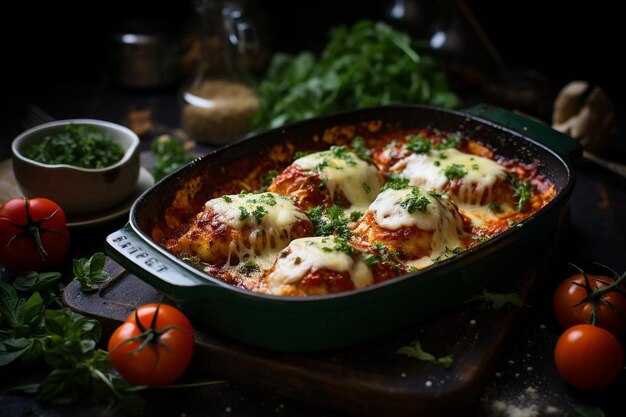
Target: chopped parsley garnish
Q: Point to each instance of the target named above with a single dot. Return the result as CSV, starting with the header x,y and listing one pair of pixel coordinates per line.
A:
x,y
355,216
358,146
329,222
437,163
243,213
414,350
415,202
370,260
436,194
342,245
442,155
388,257
268,178
523,191
396,184
344,154
248,266
366,187
258,213
455,171
495,208
322,165
475,167
418,144
457,250
227,199
193,261
452,141
301,154
268,199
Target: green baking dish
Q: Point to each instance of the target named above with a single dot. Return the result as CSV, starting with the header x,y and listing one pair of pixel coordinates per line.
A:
x,y
299,324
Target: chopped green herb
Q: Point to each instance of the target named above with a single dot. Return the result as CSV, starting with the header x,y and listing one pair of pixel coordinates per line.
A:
x,y
266,181
342,245
451,141
248,266
194,261
415,202
457,250
258,213
301,154
455,171
344,154
442,155
475,167
358,146
497,300
83,146
495,208
243,213
396,184
366,187
227,199
523,191
414,350
355,216
370,260
436,194
418,144
322,165
329,222
437,163
388,257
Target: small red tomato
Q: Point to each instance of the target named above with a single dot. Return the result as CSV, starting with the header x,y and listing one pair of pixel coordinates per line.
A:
x,y
168,345
588,357
33,234
571,308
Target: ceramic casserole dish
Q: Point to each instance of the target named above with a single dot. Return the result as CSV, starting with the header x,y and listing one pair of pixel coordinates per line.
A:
x,y
299,324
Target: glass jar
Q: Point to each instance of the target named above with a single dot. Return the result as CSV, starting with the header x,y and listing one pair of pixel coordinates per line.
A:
x,y
218,102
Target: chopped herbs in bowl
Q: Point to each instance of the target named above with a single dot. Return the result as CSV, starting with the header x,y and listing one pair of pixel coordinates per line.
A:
x,y
86,166
83,146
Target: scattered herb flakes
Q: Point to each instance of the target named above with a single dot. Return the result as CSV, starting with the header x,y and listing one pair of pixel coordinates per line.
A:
x,y
418,144
495,208
523,192
267,179
366,187
90,272
370,259
395,184
78,145
258,213
243,213
415,202
387,257
329,222
451,141
455,171
497,300
227,199
301,154
359,147
248,266
194,261
414,350
344,154
355,216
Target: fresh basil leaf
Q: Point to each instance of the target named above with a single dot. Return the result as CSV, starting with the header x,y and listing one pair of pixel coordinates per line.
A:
x,y
13,348
10,305
414,350
34,281
26,389
90,272
33,309
96,263
497,300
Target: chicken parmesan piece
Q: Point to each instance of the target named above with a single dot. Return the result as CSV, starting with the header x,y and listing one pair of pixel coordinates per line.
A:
x,y
467,178
412,223
317,266
337,176
240,228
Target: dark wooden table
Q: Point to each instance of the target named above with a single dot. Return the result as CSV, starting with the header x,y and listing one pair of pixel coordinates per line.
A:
x,y
524,377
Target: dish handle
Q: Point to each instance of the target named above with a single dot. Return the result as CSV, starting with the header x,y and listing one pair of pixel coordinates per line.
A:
x,y
128,249
563,145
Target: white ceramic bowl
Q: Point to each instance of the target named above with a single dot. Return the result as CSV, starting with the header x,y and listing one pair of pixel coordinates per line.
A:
x,y
79,191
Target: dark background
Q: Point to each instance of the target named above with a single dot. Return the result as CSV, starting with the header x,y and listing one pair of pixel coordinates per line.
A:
x,y
55,48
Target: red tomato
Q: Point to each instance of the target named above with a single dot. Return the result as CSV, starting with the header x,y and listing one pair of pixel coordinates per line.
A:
x,y
569,310
169,348
33,234
588,357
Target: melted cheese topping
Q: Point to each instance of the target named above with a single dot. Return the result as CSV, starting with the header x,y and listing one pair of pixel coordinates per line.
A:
x,y
440,217
344,171
269,215
303,255
429,169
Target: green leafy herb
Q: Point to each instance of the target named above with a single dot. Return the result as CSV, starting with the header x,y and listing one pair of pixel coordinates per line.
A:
x,y
90,272
455,171
296,88
415,202
414,350
418,144
266,181
301,154
495,208
358,146
169,155
387,257
194,261
344,154
523,191
585,411
46,283
395,184
258,213
227,199
366,187
370,259
451,141
342,245
248,266
497,300
355,216
243,213
329,222
83,146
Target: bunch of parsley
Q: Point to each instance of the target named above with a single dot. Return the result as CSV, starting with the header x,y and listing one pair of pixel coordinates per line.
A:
x,y
368,64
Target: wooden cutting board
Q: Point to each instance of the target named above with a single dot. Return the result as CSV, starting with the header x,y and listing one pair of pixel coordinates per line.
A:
x,y
367,379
